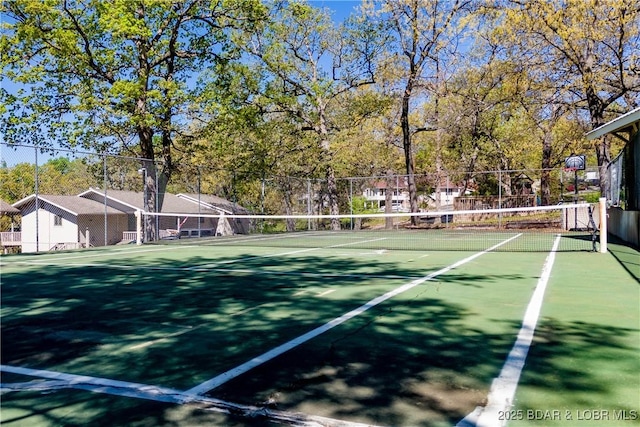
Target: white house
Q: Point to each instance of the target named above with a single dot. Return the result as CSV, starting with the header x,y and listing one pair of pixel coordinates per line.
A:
x,y
448,193
95,219
376,195
186,208
67,222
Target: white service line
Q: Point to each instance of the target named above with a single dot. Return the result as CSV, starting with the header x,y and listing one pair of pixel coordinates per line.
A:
x,y
203,267
142,391
503,388
265,357
60,257
61,380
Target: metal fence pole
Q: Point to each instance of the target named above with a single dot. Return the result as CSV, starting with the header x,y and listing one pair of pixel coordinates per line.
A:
x,y
37,179
106,224
351,200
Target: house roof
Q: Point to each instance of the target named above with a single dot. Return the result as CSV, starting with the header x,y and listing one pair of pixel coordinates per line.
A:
x,y
92,202
214,202
72,204
7,209
381,184
171,203
131,199
624,123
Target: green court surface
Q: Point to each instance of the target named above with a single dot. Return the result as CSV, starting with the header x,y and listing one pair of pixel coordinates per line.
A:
x,y
329,334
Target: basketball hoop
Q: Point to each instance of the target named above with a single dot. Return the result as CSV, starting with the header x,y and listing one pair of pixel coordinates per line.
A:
x,y
574,163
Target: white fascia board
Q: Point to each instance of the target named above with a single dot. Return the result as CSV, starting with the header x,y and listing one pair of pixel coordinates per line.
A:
x,y
614,125
203,203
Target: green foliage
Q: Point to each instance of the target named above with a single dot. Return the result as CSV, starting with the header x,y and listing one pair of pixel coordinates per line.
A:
x,y
592,197
18,182
240,92
57,176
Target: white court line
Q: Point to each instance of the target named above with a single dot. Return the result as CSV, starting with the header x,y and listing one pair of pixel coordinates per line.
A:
x,y
60,257
60,380
297,251
327,292
42,258
203,267
142,391
264,272
265,357
503,388
420,257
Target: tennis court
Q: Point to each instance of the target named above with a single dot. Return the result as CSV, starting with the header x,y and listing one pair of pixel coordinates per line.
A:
x,y
328,331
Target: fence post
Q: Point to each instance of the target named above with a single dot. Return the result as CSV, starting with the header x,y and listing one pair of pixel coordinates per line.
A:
x,y
138,227
37,195
106,221
603,224
351,200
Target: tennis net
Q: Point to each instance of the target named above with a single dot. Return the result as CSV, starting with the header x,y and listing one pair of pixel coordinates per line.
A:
x,y
527,229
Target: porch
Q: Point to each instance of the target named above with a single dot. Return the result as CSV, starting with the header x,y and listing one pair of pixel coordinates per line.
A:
x,y
9,239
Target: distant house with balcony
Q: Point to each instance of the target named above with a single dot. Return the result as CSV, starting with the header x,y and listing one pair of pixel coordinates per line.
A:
x,y
448,193
376,195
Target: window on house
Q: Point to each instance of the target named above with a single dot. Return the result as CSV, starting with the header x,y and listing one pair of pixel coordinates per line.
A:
x,y
57,220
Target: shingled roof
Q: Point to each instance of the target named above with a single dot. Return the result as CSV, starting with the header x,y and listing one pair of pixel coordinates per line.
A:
x,y
171,203
7,209
73,204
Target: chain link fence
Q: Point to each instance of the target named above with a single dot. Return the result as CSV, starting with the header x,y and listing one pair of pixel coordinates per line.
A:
x,y
61,199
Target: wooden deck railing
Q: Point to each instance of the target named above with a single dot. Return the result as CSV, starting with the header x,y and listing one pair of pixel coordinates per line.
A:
x,y
11,238
129,236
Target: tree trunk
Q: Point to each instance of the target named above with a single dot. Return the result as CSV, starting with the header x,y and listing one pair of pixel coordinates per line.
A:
x,y
287,191
545,177
332,190
148,171
408,152
603,147
332,187
388,199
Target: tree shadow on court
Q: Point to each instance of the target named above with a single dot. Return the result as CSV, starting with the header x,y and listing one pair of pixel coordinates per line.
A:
x,y
414,360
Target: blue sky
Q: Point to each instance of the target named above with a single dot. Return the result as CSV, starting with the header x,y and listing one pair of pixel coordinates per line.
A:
x,y
341,8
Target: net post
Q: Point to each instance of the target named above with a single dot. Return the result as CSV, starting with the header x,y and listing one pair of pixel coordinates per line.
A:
x,y
138,227
603,224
